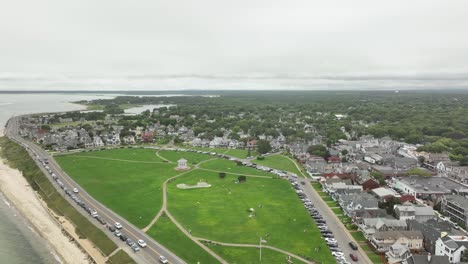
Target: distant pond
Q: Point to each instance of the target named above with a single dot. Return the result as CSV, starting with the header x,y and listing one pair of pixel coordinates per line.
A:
x,y
139,109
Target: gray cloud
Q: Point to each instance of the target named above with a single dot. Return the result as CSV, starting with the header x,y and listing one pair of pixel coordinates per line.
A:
x,y
208,44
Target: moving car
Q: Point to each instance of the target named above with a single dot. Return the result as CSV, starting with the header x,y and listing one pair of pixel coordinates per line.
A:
x,y
118,225
353,245
75,190
163,260
353,257
142,243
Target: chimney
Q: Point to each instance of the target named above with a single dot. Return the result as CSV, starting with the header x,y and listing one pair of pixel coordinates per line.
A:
x,y
429,258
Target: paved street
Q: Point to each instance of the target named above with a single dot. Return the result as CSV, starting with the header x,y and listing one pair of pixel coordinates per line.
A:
x,y
150,254
334,224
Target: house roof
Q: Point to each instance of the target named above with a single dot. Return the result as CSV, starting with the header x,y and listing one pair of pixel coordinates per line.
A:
x,y
383,192
397,234
423,259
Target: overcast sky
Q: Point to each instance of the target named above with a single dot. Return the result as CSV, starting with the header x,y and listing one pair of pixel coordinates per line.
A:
x,y
155,44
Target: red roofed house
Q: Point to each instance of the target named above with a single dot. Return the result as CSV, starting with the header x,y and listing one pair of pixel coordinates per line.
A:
x,y
342,176
407,198
252,144
370,184
334,159
147,137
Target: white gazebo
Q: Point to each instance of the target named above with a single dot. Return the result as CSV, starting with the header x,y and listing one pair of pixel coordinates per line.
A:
x,y
182,164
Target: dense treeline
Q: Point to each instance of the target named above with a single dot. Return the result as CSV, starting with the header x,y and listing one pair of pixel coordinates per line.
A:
x,y
437,119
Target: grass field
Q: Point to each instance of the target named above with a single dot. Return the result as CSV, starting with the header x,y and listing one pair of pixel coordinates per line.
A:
x,y
242,255
166,233
231,167
131,189
220,213
134,154
120,258
191,157
278,162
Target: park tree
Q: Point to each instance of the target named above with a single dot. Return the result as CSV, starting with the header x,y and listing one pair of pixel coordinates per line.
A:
x,y
421,159
222,175
263,146
242,178
318,150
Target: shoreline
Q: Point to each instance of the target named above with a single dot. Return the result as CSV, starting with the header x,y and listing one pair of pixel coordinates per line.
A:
x,y
57,231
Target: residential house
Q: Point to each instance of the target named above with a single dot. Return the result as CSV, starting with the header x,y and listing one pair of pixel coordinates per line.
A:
x,y
453,247
427,259
97,140
129,140
384,193
432,230
351,203
409,211
369,226
383,240
397,254
252,144
370,184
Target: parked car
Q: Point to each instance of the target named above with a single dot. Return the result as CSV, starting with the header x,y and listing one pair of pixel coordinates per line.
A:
x,y
135,247
123,237
353,245
129,242
353,257
117,233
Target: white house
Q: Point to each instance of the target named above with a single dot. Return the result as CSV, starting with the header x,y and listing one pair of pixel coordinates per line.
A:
x,y
451,246
97,140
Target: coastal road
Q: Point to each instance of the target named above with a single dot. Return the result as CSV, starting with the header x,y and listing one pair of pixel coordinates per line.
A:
x,y
334,224
150,254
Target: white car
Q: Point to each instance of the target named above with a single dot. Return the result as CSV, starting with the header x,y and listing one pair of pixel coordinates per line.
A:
x,y
75,190
142,243
118,225
163,260
337,254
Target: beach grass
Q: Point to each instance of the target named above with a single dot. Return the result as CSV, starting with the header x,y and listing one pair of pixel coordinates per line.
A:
x,y
18,158
121,257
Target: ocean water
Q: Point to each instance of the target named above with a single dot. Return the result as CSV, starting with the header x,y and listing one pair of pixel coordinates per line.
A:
x,y
19,242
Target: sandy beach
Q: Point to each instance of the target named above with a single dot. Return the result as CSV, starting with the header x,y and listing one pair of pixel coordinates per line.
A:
x,y
16,189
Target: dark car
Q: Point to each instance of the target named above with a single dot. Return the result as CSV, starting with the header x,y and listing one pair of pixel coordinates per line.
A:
x,y
353,245
111,228
353,257
320,221
123,237
325,231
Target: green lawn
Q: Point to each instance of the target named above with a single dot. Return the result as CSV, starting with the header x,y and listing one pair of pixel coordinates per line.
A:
x,y
317,186
238,153
191,157
166,233
131,189
231,167
135,154
359,236
242,255
220,213
337,211
278,162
